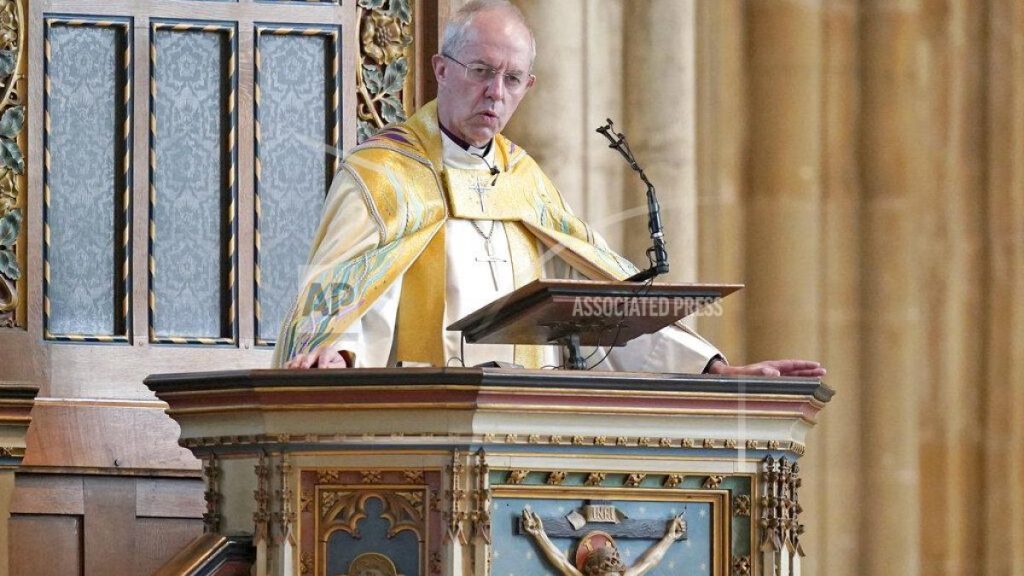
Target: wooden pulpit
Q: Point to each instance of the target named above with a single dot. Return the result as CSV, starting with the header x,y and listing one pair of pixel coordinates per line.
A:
x,y
425,472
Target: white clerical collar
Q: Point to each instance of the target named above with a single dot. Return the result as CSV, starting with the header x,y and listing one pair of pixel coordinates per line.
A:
x,y
473,157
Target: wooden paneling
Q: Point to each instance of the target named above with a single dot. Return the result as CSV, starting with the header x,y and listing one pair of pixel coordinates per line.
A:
x,y
105,436
76,524
157,539
46,545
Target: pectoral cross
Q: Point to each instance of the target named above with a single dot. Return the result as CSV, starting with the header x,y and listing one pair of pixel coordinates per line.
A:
x,y
480,188
491,259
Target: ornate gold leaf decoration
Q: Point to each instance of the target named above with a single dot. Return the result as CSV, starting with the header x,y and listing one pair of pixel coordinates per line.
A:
x,y
713,482
385,40
780,506
516,476
556,478
633,480
344,509
741,505
12,162
211,475
740,565
672,480
595,478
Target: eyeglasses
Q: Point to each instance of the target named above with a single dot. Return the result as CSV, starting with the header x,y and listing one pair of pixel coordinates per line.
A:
x,y
484,74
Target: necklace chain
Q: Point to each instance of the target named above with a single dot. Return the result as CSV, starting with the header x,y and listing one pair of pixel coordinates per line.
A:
x,y
480,231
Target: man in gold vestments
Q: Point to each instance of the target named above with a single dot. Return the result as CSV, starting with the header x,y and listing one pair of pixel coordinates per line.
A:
x,y
433,218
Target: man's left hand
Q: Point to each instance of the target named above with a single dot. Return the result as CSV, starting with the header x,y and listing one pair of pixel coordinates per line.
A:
x,y
805,368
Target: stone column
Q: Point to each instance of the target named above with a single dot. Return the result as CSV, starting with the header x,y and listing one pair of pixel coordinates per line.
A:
x,y
952,218
893,169
721,163
1002,500
548,123
660,78
783,225
839,484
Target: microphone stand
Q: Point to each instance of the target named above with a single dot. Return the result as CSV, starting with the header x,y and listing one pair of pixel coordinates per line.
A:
x,y
656,254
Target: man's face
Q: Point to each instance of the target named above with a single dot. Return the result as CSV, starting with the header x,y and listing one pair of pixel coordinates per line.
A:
x,y
472,110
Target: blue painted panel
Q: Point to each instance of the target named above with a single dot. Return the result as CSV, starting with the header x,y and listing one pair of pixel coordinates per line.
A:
x,y
403,548
518,555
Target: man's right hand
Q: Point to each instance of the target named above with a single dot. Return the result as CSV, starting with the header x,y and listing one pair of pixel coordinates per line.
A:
x,y
324,358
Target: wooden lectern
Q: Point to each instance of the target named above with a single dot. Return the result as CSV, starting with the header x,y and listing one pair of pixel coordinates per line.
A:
x,y
578,313
478,471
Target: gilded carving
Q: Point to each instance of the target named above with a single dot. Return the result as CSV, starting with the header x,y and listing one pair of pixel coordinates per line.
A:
x,y
741,505
456,495
730,444
556,439
385,40
708,443
533,439
481,515
306,563
305,499
633,480
511,438
665,442
212,496
621,441
435,563
556,478
740,565
370,477
751,444
577,440
516,476
595,479
12,162
688,443
644,441
713,482
600,441
402,510
261,517
673,480
780,506
413,476
286,515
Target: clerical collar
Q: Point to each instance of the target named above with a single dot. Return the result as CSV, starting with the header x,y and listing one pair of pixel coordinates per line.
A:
x,y
475,151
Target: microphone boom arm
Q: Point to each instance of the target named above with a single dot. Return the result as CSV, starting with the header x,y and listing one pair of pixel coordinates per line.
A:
x,y
656,254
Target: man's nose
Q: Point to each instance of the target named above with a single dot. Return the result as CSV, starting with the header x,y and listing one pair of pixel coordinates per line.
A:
x,y
496,87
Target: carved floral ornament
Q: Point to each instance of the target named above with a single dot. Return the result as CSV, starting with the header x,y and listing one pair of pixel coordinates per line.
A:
x,y
384,38
12,162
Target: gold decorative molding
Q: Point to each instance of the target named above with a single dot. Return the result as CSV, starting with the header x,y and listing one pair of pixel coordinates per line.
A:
x,y
633,480
595,478
260,442
516,476
383,79
740,565
780,525
286,516
556,478
672,480
456,515
13,76
713,482
741,505
480,517
212,495
261,517
370,477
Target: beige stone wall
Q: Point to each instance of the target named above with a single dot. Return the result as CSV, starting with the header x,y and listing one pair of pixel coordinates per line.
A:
x,y
859,164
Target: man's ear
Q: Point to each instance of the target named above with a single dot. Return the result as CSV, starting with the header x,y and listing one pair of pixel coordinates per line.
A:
x,y
440,66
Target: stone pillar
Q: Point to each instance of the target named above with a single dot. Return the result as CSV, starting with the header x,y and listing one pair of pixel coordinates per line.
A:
x,y
839,485
548,123
783,226
893,169
1002,500
952,220
721,163
660,79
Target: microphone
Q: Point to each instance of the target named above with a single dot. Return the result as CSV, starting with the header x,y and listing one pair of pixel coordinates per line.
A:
x,y
656,254
493,168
